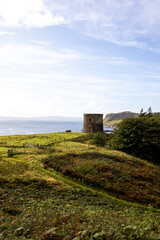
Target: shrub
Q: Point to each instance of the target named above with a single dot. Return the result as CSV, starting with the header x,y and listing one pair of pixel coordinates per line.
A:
x,y
99,139
139,137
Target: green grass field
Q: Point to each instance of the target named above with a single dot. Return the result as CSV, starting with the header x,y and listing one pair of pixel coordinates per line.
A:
x,y
60,186
112,123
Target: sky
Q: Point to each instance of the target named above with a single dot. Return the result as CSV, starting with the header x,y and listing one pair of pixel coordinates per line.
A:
x,y
69,57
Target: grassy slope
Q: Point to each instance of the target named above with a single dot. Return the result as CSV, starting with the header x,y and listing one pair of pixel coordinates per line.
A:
x,y
111,123
37,203
113,119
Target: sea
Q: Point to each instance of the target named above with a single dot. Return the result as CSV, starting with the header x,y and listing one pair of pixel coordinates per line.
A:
x,y
15,127
34,127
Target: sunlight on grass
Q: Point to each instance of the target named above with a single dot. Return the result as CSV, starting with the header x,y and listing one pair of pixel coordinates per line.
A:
x,y
37,202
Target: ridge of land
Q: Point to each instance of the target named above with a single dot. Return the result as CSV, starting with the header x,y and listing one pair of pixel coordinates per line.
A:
x,y
112,119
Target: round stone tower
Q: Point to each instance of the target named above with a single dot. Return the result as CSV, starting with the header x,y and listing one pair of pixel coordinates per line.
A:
x,y
92,123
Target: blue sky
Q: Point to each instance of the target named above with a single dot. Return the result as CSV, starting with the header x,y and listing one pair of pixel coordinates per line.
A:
x,y
69,57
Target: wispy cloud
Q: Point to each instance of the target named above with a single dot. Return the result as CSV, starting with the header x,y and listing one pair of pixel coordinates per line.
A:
x,y
43,56
126,22
27,55
4,33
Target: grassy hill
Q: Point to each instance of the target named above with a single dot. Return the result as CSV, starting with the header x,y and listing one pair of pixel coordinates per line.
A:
x,y
112,119
59,186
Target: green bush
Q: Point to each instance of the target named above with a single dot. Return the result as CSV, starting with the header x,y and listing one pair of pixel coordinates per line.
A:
x,y
99,139
139,137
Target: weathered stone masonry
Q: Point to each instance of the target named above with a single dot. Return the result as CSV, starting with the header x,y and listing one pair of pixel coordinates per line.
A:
x,y
92,123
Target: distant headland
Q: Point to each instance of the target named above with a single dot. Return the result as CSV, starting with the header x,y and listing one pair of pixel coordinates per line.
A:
x,y
111,119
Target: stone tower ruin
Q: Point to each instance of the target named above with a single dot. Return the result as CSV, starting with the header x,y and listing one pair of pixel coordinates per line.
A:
x,y
92,123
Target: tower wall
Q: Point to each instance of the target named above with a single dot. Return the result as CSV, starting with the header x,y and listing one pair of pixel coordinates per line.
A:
x,y
93,123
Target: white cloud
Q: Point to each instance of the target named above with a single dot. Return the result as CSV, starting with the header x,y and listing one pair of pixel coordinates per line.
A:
x,y
27,13
125,22
7,33
40,80
27,55
41,57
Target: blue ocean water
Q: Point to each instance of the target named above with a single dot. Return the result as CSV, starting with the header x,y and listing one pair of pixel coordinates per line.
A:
x,y
32,127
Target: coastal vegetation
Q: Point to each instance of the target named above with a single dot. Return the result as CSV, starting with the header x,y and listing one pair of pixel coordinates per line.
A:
x,y
66,186
139,136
